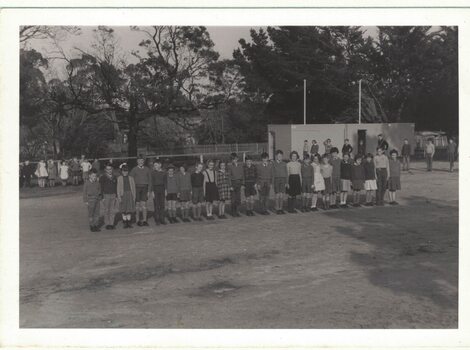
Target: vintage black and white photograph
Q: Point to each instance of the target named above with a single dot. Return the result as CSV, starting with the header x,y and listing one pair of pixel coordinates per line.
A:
x,y
238,177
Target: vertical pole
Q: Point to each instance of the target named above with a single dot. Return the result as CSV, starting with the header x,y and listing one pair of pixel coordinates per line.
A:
x,y
360,98
305,101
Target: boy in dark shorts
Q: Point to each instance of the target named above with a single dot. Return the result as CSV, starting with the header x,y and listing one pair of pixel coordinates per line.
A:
x,y
143,185
250,176
279,181
197,184
171,193
263,182
335,162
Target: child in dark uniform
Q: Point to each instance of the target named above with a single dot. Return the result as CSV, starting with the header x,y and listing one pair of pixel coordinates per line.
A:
x,y
249,176
335,162
171,193
345,175
358,177
197,185
394,181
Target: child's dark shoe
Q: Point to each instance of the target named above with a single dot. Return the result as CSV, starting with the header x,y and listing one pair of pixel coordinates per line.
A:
x,y
145,223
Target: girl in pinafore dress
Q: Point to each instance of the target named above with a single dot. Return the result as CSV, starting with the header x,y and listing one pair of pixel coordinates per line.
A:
x,y
326,170
211,191
394,181
224,185
126,195
318,182
358,177
185,192
295,183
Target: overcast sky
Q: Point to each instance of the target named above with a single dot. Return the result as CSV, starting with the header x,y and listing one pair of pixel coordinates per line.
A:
x,y
225,40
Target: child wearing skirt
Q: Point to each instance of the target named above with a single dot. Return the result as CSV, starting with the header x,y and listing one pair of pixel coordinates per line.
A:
x,y
326,171
306,173
394,181
335,162
345,176
126,195
318,181
358,177
224,186
280,179
211,191
52,171
370,184
294,185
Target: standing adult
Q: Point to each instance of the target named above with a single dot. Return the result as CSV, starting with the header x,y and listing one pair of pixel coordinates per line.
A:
x,y
451,153
429,151
382,143
143,185
108,184
315,149
328,146
405,154
347,148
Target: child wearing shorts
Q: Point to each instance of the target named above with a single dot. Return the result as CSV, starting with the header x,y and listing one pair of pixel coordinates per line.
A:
x,y
171,193
345,175
318,181
92,198
358,177
394,181
335,162
197,186
224,186
294,185
306,171
143,186
370,184
279,181
249,178
211,192
326,169
184,191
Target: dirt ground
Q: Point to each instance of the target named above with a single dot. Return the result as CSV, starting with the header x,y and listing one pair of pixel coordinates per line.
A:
x,y
381,267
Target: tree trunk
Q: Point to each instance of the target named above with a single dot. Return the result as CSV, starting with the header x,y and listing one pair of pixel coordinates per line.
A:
x,y
132,137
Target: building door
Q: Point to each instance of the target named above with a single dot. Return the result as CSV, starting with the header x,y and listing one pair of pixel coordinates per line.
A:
x,y
361,141
272,144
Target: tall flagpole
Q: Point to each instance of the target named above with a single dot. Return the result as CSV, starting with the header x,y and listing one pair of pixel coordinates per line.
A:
x,y
360,98
305,101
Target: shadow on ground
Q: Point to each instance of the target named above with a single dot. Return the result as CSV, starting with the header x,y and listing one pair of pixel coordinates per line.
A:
x,y
405,258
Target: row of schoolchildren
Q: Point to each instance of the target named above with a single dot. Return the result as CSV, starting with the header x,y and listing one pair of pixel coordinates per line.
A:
x,y
326,176
48,173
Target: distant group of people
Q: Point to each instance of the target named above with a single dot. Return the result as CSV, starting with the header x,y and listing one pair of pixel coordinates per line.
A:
x,y
73,171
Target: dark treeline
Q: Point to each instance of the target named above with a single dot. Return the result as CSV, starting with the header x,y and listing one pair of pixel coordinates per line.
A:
x,y
176,85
